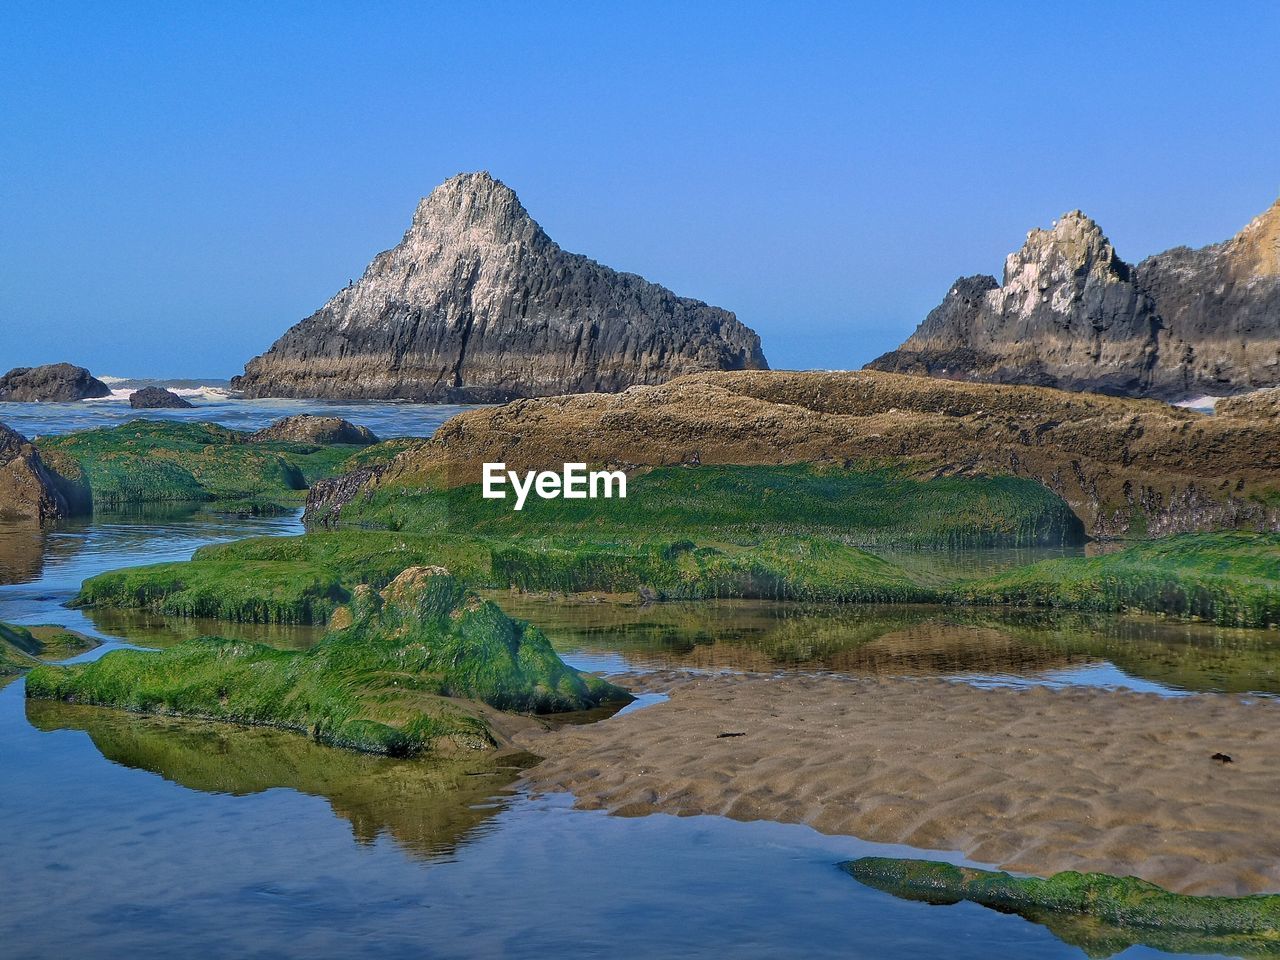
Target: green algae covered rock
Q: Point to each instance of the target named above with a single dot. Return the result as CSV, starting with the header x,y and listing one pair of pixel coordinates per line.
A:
x,y
153,461
411,669
1230,578
1101,913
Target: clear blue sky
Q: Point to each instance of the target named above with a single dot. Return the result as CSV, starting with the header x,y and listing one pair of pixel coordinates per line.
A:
x,y
181,182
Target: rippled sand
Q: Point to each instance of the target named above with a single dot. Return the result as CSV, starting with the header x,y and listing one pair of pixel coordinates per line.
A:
x,y
1034,780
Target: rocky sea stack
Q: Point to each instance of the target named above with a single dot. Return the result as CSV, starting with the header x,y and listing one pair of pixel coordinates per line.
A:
x,y
1071,314
51,383
477,303
157,398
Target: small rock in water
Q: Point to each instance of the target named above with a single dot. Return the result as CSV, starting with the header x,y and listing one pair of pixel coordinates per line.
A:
x,y
158,398
1222,758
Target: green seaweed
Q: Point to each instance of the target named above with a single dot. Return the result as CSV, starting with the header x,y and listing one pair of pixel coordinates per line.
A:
x,y
398,679
304,579
871,506
791,568
1102,914
150,461
1227,578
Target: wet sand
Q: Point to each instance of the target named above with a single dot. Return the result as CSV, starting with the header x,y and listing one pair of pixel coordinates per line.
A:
x,y
1034,780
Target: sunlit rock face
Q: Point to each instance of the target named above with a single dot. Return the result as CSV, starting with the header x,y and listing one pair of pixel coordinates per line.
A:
x,y
477,303
1070,313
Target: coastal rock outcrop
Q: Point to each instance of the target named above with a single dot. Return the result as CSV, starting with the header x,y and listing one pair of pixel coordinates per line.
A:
x,y
307,428
1071,314
1259,403
1127,467
158,398
476,303
28,489
422,665
53,382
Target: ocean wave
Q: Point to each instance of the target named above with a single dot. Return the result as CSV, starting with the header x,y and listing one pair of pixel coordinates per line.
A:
x,y
122,387
1199,403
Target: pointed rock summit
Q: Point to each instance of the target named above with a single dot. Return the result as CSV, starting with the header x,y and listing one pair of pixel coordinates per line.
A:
x,y
1070,313
476,303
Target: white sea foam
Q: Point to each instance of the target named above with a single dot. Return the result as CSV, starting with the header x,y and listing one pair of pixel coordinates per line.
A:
x,y
1203,404
122,387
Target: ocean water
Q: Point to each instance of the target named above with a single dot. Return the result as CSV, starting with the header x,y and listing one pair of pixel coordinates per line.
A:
x,y
146,837
214,402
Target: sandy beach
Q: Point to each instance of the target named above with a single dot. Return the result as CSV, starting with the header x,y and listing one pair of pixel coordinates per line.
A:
x,y
1035,780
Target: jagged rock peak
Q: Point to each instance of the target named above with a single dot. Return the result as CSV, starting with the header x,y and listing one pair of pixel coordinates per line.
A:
x,y
1072,314
470,201
1074,246
477,304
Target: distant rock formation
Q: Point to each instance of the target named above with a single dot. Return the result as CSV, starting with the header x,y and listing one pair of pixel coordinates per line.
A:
x,y
477,303
28,489
1070,313
306,428
53,382
158,398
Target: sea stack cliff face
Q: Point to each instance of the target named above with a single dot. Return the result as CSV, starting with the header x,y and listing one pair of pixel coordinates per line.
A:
x,y
1071,314
477,303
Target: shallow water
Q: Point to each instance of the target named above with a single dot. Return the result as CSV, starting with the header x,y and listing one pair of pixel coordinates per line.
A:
x,y
142,837
161,851
988,646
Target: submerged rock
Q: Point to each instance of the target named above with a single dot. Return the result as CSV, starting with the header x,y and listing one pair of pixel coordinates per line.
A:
x,y
28,489
1071,314
157,398
308,428
50,383
477,303
416,667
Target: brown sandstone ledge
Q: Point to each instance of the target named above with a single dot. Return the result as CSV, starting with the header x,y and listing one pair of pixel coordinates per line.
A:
x,y
1034,780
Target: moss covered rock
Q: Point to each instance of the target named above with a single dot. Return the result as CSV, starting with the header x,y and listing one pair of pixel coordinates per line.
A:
x,y
150,461
404,671
1229,578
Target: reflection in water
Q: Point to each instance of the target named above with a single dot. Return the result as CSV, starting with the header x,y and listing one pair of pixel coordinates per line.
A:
x,y
22,548
44,569
146,629
911,640
429,807
1101,939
